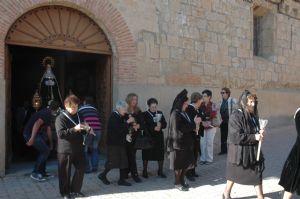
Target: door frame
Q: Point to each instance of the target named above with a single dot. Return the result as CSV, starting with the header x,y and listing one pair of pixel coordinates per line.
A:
x,y
8,105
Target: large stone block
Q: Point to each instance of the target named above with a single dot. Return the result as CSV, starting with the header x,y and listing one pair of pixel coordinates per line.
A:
x,y
190,55
209,70
164,52
173,41
197,69
211,47
176,53
242,53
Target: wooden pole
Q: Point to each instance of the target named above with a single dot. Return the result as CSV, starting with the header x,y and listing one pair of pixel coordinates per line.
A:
x,y
258,150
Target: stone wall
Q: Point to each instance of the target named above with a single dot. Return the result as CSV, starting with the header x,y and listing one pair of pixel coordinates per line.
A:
x,y
209,44
163,46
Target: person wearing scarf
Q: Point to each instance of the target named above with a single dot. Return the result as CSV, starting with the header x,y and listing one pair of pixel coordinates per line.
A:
x,y
180,140
243,137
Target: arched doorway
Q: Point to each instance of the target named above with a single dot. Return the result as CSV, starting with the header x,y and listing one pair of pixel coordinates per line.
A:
x,y
82,57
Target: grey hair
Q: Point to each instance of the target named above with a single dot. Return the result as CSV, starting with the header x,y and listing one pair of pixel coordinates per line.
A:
x,y
121,104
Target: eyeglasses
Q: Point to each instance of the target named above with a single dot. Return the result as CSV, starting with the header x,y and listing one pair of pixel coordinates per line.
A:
x,y
222,93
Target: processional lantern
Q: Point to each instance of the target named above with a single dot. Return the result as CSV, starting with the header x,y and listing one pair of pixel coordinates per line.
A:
x,y
36,101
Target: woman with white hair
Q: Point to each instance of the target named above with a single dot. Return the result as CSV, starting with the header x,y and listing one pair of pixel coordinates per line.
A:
x,y
117,129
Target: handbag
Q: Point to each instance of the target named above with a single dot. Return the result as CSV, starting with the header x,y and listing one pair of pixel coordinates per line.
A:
x,y
143,141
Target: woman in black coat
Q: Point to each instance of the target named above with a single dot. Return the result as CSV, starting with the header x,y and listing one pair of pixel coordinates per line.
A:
x,y
180,140
154,124
243,137
117,130
70,150
290,175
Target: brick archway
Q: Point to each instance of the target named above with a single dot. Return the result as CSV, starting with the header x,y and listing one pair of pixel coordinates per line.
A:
x,y
104,14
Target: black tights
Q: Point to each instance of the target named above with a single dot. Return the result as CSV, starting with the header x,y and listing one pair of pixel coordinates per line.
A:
x,y
160,165
179,176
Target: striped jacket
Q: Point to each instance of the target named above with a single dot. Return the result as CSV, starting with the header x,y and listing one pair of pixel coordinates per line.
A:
x,y
91,116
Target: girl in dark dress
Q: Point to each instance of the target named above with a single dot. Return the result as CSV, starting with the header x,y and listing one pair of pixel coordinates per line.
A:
x,y
290,175
180,140
243,138
117,130
154,124
135,128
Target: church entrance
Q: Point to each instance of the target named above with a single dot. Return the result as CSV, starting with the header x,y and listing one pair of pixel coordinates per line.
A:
x,y
80,58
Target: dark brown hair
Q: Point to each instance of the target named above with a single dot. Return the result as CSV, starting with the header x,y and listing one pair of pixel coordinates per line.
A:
x,y
72,99
152,101
227,90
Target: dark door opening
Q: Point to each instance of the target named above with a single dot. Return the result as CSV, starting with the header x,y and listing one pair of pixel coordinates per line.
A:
x,y
83,74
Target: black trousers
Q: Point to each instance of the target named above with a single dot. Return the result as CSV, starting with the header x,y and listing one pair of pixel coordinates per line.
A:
x,y
131,155
197,151
224,135
65,162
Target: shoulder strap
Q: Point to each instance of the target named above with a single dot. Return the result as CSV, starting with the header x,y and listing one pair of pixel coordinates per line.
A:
x,y
65,114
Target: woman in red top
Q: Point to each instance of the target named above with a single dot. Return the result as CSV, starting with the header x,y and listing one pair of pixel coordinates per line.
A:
x,y
209,122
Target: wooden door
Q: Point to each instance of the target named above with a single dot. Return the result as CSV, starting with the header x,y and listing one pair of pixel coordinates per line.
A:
x,y
104,93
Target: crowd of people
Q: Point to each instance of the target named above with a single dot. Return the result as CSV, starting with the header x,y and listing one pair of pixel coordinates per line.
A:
x,y
190,136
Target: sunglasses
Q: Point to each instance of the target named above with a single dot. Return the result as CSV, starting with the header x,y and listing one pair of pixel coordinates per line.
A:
x,y
222,93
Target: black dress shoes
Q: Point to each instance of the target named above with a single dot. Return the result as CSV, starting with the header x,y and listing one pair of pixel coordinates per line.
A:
x,y
136,179
77,195
103,179
123,183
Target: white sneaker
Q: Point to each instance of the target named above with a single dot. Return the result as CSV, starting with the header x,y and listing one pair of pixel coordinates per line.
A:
x,y
37,177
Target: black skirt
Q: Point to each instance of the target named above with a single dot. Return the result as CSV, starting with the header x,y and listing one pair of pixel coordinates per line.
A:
x,y
290,175
184,159
156,153
116,157
240,175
